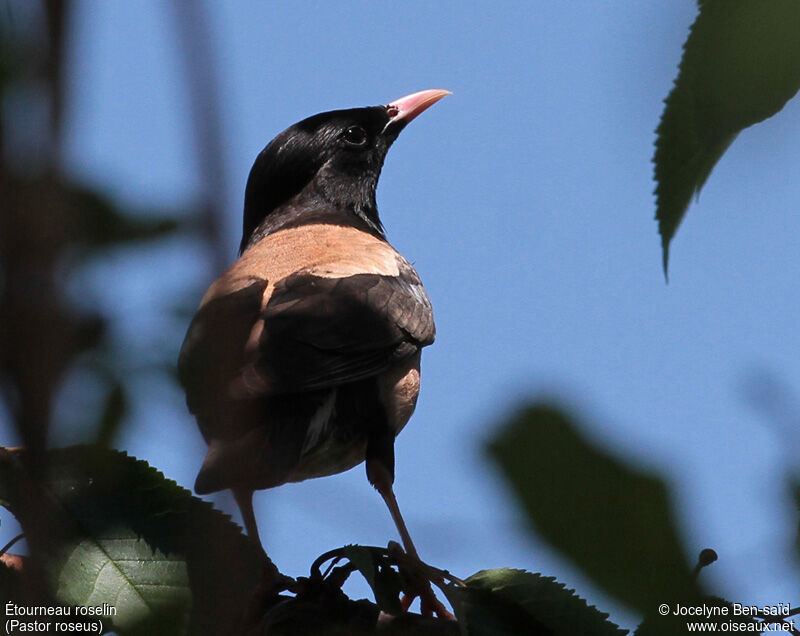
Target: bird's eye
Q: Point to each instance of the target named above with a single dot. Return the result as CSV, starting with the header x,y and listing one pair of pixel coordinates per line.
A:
x,y
355,136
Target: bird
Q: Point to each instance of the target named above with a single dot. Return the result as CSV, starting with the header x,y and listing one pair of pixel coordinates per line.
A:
x,y
303,359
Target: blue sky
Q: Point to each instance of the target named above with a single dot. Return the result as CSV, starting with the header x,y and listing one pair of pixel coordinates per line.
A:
x,y
525,202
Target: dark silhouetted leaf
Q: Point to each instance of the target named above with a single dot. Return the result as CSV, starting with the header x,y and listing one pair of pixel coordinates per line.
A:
x,y
114,410
98,223
114,530
385,582
741,64
10,584
515,602
7,66
794,484
613,521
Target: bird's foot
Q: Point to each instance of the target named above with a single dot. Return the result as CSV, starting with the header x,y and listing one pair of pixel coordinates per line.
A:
x,y
273,582
419,576
429,605
266,593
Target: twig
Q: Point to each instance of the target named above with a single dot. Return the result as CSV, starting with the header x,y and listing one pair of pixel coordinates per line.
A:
x,y
11,543
202,83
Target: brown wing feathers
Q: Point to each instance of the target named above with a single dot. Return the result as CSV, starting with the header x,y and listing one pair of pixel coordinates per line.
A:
x,y
305,310
324,332
213,350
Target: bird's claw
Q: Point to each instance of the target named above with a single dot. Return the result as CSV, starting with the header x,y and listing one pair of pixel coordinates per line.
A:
x,y
273,581
419,576
428,603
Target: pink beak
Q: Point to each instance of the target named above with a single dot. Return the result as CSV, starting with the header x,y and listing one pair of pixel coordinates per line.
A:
x,y
408,107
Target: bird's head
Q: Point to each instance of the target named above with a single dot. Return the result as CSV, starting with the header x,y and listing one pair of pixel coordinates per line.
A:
x,y
330,160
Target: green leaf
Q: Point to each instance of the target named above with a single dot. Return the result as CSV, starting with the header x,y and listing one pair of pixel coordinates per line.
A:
x,y
613,521
385,582
740,65
110,529
97,222
514,602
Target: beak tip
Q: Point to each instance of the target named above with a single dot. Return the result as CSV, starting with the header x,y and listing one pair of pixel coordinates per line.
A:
x,y
408,107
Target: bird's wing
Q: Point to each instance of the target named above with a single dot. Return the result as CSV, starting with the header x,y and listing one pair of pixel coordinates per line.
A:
x,y
323,331
213,352
316,331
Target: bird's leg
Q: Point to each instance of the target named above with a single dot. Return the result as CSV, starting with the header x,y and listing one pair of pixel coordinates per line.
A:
x,y
244,498
272,579
381,478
